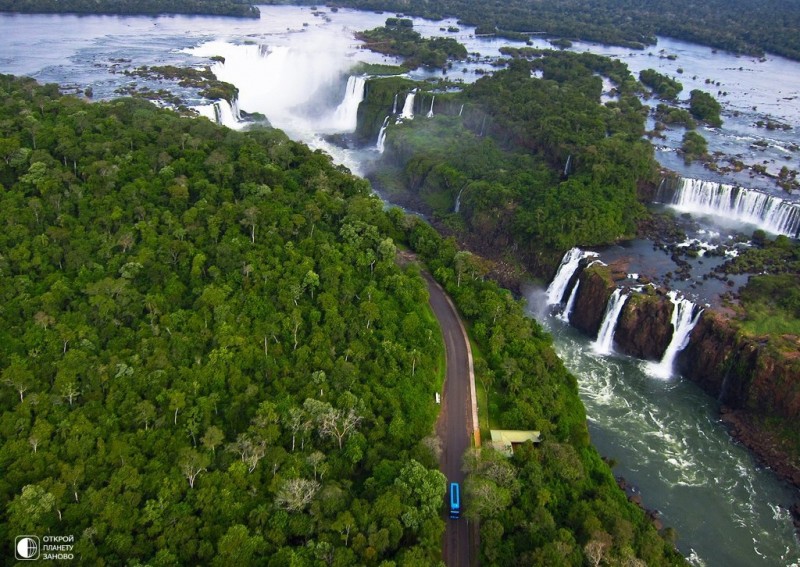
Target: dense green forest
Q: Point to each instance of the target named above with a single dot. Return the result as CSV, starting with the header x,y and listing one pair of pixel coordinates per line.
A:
x,y
539,164
398,37
234,8
741,26
210,356
662,85
208,353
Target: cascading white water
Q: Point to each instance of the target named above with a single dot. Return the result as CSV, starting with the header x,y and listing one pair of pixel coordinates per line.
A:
x,y
394,104
382,135
770,213
430,112
683,322
226,114
564,315
286,83
408,107
345,118
566,167
556,289
457,206
461,110
605,337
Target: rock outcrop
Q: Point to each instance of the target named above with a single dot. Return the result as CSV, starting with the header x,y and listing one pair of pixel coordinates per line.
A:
x,y
757,383
645,328
742,372
596,286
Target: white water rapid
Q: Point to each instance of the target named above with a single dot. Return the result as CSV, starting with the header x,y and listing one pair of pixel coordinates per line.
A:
x,y
768,212
556,289
684,319
605,337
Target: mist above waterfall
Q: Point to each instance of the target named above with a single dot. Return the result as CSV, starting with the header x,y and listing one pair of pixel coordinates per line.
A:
x,y
297,87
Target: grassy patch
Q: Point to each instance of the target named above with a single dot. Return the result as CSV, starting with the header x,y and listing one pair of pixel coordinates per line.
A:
x,y
377,69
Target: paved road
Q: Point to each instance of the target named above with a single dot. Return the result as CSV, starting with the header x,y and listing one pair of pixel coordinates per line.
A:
x,y
454,426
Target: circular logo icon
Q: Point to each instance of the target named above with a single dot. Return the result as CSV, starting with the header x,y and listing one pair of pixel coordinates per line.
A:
x,y
27,547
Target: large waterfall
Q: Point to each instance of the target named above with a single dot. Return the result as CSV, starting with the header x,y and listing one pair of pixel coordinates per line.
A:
x,y
684,319
345,118
382,136
570,262
605,337
408,107
770,213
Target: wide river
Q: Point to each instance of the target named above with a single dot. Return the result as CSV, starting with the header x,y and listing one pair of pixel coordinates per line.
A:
x,y
293,66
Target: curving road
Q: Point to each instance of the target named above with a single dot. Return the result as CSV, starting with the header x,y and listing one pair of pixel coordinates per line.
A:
x,y
455,426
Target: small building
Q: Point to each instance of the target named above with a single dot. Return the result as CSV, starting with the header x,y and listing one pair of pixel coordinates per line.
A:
x,y
503,440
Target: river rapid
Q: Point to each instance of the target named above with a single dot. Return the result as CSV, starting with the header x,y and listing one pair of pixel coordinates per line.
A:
x,y
293,66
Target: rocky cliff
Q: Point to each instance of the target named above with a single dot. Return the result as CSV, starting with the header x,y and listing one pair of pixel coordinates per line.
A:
x,y
645,328
596,286
742,372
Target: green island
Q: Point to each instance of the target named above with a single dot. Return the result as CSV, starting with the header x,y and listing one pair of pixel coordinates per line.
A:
x,y
210,355
232,8
538,166
398,38
751,27
202,79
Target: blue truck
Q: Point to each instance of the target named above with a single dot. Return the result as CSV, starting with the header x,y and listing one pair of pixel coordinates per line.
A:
x,y
455,501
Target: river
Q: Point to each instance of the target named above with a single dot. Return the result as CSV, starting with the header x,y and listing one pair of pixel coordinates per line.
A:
x,y
293,65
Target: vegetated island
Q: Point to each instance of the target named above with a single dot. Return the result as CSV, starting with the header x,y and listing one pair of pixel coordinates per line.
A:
x,y
750,27
398,37
208,354
232,8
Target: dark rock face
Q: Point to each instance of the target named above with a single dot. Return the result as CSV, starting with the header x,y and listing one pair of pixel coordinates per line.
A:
x,y
755,384
644,328
742,372
590,304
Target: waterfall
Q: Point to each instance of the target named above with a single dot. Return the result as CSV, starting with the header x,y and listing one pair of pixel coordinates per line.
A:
x,y
564,315
556,289
345,118
458,200
382,135
566,167
768,212
483,127
225,114
430,112
394,104
682,324
408,107
461,110
605,337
